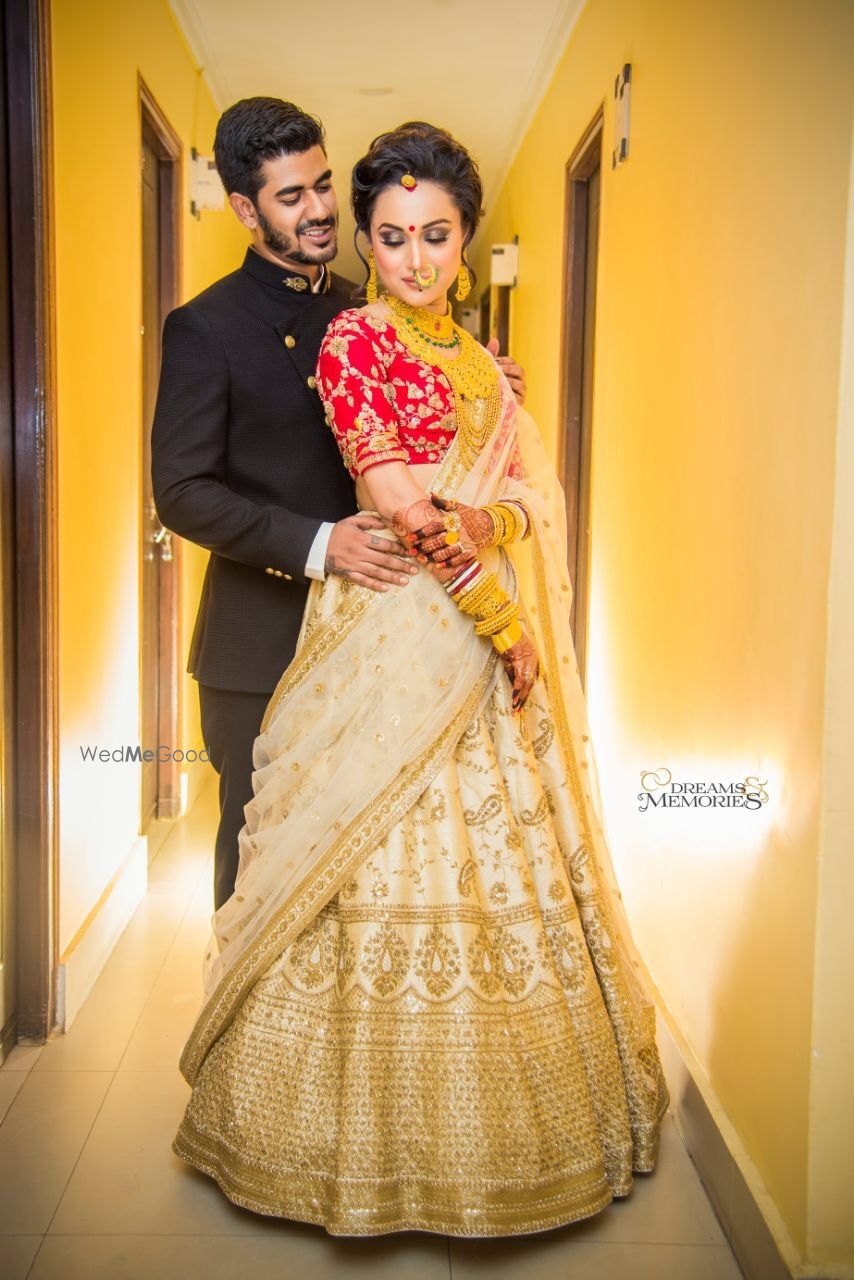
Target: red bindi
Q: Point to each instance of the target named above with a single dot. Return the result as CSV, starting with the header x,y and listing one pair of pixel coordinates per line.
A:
x,y
411,228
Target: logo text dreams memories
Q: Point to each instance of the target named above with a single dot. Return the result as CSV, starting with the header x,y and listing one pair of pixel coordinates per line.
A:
x,y
661,792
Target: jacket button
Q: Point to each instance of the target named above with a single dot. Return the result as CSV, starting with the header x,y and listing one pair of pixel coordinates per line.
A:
x,y
269,570
277,572
312,381
288,576
290,341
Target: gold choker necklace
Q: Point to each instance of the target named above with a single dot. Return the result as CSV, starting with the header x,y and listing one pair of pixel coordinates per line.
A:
x,y
439,331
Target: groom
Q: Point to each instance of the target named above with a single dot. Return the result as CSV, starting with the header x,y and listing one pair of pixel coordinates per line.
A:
x,y
243,463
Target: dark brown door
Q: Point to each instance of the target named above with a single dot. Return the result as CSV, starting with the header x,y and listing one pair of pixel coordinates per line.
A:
x,y
159,632
28,595
483,325
579,329
501,321
8,916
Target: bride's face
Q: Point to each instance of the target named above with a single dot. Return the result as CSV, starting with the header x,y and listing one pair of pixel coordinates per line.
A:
x,y
411,231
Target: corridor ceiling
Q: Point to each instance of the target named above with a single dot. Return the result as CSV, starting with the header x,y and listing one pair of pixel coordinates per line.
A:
x,y
476,67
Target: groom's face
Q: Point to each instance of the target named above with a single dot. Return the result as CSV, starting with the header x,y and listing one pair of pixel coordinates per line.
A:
x,y
295,213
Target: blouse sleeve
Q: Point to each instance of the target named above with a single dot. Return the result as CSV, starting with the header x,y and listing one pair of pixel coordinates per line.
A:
x,y
357,397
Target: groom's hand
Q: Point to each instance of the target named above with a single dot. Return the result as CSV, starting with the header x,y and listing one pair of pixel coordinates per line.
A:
x,y
513,372
356,552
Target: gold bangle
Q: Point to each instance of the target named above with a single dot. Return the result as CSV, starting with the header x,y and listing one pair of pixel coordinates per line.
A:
x,y
487,602
498,620
504,640
524,517
508,522
485,591
506,517
501,525
495,537
518,520
512,525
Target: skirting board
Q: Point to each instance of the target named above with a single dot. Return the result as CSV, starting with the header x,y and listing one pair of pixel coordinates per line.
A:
x,y
81,964
744,1215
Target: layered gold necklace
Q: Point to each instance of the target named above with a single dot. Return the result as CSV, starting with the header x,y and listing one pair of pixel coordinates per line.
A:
x,y
472,373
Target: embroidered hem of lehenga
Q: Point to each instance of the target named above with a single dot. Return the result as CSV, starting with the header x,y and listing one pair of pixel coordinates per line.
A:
x,y
529,1210
479,1207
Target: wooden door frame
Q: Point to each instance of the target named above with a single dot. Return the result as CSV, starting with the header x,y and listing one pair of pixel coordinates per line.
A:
x,y
500,316
483,308
574,448
169,605
34,483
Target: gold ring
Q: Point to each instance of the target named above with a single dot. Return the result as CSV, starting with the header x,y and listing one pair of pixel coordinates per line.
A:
x,y
452,522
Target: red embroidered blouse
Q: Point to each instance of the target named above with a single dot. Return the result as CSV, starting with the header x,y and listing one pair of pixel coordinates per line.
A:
x,y
380,400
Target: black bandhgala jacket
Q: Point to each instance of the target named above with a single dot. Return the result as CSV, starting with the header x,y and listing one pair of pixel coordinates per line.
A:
x,y
244,464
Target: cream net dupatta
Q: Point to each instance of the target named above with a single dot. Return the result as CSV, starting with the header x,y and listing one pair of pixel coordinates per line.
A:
x,y
546,606
380,691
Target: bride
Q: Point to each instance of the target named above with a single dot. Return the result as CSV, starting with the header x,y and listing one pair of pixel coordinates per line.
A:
x,y
423,1006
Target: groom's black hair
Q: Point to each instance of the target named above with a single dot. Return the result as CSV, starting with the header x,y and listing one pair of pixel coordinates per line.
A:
x,y
259,129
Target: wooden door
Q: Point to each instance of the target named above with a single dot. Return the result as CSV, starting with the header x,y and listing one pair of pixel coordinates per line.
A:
x,y
484,306
159,570
583,184
8,916
500,319
28,590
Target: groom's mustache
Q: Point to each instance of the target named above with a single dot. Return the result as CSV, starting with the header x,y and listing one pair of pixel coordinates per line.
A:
x,y
310,226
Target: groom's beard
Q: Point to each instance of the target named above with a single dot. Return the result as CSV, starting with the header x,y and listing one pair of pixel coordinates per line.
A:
x,y
289,247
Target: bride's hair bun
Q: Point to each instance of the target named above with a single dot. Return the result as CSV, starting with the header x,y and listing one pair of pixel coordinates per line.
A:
x,y
430,154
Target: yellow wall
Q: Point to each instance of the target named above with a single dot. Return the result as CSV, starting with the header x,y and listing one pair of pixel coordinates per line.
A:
x,y
99,48
831,1173
716,383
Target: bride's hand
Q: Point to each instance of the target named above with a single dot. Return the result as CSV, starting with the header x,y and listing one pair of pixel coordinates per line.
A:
x,y
476,530
521,664
412,523
407,521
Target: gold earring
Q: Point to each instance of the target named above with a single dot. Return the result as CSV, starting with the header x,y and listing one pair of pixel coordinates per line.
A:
x,y
371,286
463,283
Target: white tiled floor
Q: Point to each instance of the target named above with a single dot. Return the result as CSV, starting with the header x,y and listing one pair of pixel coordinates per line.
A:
x,y
91,1190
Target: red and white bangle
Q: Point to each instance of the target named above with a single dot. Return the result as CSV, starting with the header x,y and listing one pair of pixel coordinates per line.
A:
x,y
465,579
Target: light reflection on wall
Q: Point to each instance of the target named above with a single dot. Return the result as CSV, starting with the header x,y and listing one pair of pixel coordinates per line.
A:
x,y
625,750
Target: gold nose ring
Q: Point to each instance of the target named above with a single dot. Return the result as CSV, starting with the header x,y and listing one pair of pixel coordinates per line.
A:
x,y
427,276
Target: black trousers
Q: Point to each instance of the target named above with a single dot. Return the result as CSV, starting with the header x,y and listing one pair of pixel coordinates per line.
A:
x,y
231,721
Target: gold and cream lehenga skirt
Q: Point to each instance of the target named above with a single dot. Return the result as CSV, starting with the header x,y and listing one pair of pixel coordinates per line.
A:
x,y
453,1043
